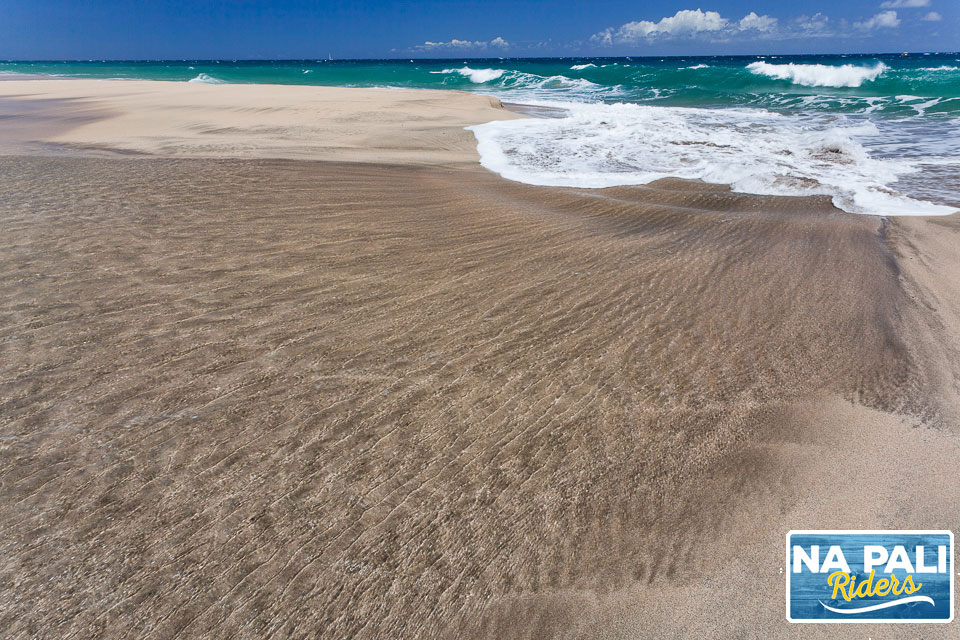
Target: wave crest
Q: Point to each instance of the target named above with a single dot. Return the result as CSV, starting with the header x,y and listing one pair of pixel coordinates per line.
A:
x,y
206,79
477,76
819,75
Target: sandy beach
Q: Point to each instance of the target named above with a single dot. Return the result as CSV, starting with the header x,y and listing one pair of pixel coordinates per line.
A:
x,y
288,362
197,120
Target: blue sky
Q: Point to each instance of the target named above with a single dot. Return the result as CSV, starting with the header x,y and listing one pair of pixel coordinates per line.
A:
x,y
129,29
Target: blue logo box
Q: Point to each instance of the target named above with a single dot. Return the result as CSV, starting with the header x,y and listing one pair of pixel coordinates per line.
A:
x,y
869,576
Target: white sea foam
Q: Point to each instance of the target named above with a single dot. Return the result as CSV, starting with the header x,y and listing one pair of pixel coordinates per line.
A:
x,y
819,75
581,67
530,86
754,151
477,76
205,79
553,82
917,103
698,66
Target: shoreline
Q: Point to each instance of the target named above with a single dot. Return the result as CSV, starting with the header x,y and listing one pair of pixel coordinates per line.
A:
x,y
161,118
370,387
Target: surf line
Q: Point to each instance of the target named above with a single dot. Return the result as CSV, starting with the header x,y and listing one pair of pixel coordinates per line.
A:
x,y
884,605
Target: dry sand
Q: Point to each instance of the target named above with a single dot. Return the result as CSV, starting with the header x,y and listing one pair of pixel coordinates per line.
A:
x,y
277,398
183,119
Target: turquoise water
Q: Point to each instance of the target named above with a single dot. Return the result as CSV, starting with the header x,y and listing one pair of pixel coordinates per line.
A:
x,y
895,119
692,81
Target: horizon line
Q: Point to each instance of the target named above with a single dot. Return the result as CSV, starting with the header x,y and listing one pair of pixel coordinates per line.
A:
x,y
644,56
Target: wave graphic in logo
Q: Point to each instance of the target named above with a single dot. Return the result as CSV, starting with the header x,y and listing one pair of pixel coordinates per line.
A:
x,y
885,605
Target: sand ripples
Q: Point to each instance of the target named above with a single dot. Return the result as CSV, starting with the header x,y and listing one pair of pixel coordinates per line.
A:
x,y
291,398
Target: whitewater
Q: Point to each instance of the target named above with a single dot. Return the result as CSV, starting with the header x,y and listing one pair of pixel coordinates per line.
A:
x,y
879,134
753,151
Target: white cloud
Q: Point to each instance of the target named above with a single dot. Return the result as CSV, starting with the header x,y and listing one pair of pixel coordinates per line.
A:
x,y
463,44
452,44
904,4
816,22
887,19
684,22
605,37
760,23
689,23
933,16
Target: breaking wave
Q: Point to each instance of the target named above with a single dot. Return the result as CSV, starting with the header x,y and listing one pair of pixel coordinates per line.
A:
x,y
819,75
206,79
520,85
477,76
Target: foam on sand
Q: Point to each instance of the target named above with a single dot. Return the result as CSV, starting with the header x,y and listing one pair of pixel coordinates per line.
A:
x,y
751,150
819,75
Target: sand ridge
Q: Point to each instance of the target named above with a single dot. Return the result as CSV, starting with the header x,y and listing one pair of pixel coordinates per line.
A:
x,y
186,119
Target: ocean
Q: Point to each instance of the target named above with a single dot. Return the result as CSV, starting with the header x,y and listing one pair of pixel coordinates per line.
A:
x,y
879,134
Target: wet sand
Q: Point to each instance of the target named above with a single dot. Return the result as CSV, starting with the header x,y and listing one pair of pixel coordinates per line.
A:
x,y
288,398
